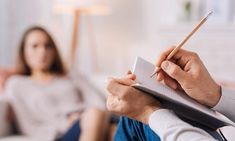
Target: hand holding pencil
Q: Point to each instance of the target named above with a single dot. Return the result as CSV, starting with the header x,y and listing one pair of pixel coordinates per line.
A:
x,y
157,69
185,71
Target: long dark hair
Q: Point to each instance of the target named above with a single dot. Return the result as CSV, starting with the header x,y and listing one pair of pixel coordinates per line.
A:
x,y
22,67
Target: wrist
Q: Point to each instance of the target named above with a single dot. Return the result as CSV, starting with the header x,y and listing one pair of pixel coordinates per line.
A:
x,y
216,96
148,111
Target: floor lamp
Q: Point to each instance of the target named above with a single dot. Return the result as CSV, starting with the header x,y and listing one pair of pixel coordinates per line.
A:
x,y
78,8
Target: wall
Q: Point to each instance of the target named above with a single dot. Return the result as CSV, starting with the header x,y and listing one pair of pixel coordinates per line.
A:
x,y
17,16
214,42
3,36
132,29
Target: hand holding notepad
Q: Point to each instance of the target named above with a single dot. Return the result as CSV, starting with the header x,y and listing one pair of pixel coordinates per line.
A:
x,y
178,101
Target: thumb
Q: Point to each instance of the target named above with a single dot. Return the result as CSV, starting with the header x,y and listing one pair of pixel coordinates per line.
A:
x,y
174,71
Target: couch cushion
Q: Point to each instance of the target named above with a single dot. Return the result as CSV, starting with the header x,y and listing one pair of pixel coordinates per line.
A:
x,y
5,126
18,138
5,73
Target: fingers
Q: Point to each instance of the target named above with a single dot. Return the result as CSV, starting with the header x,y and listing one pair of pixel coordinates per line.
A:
x,y
163,56
128,81
171,82
120,83
174,71
130,75
115,88
182,53
176,68
162,76
129,72
183,57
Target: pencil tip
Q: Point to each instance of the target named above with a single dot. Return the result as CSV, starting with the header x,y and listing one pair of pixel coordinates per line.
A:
x,y
155,72
210,14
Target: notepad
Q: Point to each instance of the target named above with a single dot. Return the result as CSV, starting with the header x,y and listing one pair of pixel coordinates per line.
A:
x,y
178,101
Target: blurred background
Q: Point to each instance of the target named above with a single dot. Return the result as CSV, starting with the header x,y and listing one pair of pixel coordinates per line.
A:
x,y
101,38
110,38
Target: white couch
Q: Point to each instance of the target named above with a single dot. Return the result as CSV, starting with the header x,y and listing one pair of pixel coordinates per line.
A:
x,y
5,127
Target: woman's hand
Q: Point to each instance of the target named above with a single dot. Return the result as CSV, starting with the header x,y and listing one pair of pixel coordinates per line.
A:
x,y
72,118
128,101
186,71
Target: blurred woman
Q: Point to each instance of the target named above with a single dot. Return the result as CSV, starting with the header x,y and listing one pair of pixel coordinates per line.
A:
x,y
46,103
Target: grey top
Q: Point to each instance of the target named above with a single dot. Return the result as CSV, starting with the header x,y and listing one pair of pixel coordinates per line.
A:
x,y
41,109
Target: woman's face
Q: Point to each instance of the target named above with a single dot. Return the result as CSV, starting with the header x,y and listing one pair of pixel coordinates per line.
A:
x,y
38,53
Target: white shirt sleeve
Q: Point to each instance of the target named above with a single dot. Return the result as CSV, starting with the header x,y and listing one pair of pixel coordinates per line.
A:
x,y
226,104
171,128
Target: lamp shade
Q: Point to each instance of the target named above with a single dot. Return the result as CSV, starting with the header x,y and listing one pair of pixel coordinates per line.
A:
x,y
99,7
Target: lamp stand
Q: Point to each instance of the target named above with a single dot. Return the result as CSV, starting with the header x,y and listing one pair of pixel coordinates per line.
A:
x,y
75,35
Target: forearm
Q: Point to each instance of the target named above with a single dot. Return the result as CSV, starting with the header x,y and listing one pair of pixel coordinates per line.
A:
x,y
226,104
169,127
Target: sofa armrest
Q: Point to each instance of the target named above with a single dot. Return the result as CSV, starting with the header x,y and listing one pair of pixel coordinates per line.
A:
x,y
5,128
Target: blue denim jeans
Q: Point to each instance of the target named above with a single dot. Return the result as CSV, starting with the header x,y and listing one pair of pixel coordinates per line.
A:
x,y
72,134
132,130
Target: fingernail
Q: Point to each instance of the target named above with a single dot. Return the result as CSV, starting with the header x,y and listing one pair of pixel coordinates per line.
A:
x,y
165,65
158,77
